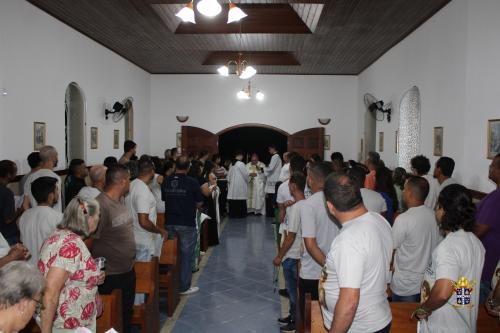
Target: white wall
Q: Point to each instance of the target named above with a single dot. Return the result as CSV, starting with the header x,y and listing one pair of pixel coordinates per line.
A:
x,y
39,57
292,103
453,60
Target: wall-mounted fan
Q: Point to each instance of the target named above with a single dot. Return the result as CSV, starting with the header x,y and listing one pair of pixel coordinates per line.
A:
x,y
377,108
119,109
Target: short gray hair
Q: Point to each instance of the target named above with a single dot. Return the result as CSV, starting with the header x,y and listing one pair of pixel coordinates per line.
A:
x,y
97,172
19,280
77,213
47,153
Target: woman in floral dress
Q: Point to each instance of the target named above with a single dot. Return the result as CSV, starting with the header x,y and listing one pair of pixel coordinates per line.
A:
x,y
71,298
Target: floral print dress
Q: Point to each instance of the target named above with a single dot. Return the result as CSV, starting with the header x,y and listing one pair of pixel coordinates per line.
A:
x,y
78,298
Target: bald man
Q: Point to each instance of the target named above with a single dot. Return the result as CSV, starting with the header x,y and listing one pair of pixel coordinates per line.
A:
x,y
97,177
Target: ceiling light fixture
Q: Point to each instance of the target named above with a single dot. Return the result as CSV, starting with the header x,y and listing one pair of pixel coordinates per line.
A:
x,y
209,8
242,70
186,14
246,93
235,13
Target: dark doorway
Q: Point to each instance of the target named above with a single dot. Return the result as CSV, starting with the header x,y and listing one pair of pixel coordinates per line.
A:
x,y
251,140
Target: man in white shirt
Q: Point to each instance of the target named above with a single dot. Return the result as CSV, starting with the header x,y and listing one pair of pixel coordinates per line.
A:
x,y
354,280
285,170
48,157
373,201
415,235
318,232
420,166
272,173
97,175
289,253
237,193
443,171
141,204
39,222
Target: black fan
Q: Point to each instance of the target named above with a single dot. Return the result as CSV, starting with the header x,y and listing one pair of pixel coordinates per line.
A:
x,y
119,109
377,107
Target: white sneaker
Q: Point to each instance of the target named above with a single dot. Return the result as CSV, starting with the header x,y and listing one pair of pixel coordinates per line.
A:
x,y
190,291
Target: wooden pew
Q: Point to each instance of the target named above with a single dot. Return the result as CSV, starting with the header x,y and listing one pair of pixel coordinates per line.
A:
x,y
169,279
308,314
316,318
147,315
401,321
111,312
486,323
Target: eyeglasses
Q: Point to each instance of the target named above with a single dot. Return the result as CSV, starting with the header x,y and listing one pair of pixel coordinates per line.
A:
x,y
39,305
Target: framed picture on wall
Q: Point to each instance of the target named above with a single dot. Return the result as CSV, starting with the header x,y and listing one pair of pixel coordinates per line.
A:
x,y
178,140
380,141
116,139
93,138
438,141
326,142
396,142
493,138
39,133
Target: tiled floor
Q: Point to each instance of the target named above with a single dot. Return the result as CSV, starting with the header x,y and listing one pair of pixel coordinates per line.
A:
x,y
236,287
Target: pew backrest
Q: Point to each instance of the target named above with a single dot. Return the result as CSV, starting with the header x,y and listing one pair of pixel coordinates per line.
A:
x,y
111,312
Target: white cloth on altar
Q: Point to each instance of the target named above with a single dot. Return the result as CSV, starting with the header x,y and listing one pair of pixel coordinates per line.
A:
x,y
237,179
256,195
272,172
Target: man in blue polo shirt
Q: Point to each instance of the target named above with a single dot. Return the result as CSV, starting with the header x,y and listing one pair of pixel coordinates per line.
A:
x,y
182,196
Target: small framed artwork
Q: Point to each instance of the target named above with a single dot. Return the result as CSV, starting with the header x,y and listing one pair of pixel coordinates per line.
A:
x,y
493,138
438,141
93,138
380,141
39,133
116,139
326,142
178,140
396,142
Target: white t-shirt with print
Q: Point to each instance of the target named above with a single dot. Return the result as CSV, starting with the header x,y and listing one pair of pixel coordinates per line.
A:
x,y
315,223
36,225
460,254
140,200
293,225
415,234
373,201
359,258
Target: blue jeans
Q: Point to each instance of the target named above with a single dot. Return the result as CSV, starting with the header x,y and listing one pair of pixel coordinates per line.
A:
x,y
187,238
406,299
290,274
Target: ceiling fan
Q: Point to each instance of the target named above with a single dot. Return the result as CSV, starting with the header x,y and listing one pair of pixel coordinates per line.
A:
x,y
377,108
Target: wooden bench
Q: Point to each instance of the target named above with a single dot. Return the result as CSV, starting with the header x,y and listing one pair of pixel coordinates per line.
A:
x,y
169,280
147,315
486,323
111,312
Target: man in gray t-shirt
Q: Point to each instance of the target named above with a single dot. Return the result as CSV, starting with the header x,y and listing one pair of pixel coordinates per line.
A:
x,y
318,232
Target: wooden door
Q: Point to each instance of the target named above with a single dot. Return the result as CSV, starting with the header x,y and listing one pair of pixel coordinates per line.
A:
x,y
195,139
307,142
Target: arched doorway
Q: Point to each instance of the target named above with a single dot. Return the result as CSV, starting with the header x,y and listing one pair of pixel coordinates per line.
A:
x,y
75,123
251,139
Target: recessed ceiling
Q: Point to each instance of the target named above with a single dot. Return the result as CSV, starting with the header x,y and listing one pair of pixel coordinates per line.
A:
x,y
326,37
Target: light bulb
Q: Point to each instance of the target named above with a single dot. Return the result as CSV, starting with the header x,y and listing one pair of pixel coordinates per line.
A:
x,y
223,70
209,8
248,73
186,14
235,13
259,95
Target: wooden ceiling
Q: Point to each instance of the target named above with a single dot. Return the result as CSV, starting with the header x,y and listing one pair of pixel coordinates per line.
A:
x,y
340,37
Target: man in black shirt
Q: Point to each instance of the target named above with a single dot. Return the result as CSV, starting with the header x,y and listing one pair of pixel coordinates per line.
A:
x,y
8,213
182,196
75,180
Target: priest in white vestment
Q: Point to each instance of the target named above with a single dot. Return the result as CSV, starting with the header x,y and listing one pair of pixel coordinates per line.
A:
x,y
237,179
256,194
272,173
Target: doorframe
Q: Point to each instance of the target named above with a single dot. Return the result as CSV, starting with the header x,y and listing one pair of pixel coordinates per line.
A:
x,y
253,125
66,111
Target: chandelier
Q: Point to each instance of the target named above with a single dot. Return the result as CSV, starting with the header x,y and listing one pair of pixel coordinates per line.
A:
x,y
209,8
246,93
242,69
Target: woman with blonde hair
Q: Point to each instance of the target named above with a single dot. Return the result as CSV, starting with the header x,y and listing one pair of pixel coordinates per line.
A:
x,y
71,298
21,286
